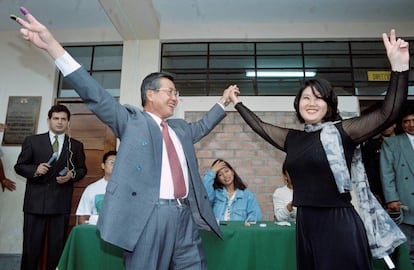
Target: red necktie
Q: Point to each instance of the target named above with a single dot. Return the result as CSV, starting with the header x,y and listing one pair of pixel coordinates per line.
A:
x,y
176,170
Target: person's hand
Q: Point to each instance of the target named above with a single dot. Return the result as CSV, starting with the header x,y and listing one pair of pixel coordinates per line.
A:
x,y
8,184
42,168
394,206
225,99
397,51
2,127
63,179
289,207
234,97
218,166
35,32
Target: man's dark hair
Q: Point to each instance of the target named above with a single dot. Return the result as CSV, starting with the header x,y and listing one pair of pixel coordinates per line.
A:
x,y
57,109
108,154
152,82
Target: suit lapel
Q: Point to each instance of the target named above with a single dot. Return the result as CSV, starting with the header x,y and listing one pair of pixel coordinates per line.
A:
x,y
155,134
408,152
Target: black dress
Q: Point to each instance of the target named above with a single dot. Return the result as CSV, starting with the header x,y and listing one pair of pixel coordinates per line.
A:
x,y
330,234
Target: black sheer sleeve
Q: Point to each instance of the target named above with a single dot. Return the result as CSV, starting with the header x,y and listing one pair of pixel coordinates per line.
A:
x,y
361,128
273,134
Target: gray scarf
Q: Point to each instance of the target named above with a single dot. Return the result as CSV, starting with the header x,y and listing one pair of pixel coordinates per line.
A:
x,y
382,232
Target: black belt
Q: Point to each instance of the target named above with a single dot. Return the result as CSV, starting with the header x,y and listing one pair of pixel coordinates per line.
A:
x,y
179,201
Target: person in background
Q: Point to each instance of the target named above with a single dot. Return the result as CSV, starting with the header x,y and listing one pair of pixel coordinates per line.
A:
x,y
397,175
330,233
90,203
155,203
229,196
371,157
5,182
48,195
282,200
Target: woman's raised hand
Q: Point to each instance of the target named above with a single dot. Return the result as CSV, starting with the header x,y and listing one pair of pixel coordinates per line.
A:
x,y
397,51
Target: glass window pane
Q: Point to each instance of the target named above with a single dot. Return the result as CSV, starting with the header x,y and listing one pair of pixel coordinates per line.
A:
x,y
82,54
231,49
327,61
184,49
278,49
192,87
179,62
231,62
110,80
276,87
325,48
107,58
371,88
368,48
373,61
217,87
279,62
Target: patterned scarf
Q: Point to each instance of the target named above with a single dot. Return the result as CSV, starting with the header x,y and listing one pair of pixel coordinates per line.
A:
x,y
382,232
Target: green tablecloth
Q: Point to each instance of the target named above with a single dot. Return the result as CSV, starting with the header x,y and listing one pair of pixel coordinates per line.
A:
x,y
243,247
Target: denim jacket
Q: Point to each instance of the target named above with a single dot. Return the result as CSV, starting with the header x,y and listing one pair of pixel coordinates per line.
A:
x,y
244,205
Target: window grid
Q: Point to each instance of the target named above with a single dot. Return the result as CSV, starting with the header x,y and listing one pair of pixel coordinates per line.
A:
x,y
108,74
344,63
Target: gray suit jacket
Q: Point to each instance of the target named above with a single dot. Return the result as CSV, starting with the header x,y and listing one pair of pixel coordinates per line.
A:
x,y
133,190
397,172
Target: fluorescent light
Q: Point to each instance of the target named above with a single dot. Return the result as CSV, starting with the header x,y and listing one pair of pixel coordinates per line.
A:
x,y
280,74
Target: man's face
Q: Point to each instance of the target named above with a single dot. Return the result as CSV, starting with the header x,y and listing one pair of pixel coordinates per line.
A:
x,y
108,165
407,124
58,122
163,101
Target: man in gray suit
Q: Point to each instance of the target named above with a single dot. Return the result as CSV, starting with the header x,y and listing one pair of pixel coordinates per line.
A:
x,y
397,174
141,212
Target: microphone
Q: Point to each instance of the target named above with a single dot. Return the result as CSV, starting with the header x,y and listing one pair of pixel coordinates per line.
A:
x,y
52,158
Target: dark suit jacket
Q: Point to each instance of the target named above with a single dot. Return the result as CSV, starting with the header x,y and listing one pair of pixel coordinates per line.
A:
x,y
43,194
134,187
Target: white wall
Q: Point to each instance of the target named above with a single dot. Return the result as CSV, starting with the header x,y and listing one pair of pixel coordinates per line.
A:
x,y
25,71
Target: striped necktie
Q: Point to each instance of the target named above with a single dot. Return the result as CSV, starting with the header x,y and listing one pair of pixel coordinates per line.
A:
x,y
176,170
55,145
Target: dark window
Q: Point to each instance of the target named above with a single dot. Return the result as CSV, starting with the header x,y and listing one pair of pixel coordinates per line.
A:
x,y
103,62
278,68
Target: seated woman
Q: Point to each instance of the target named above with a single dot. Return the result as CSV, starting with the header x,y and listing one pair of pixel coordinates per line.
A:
x,y
229,196
282,200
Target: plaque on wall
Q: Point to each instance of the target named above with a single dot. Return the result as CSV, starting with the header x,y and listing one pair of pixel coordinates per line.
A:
x,y
21,119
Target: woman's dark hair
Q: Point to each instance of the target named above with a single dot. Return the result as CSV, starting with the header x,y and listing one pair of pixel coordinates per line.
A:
x,y
326,93
238,183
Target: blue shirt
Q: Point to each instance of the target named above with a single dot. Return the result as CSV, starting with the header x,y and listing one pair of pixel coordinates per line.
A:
x,y
244,205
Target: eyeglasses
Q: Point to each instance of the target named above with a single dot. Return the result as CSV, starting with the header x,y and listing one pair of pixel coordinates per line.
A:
x,y
170,92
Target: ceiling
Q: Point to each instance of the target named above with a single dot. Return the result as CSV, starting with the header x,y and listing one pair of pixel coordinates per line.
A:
x,y
143,18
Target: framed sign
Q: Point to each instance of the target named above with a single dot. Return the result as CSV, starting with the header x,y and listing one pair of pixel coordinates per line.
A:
x,y
21,119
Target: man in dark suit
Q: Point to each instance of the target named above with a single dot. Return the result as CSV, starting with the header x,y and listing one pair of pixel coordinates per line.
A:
x,y
48,196
371,157
142,210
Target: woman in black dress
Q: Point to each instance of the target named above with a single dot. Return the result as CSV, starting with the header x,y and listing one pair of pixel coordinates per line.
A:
x,y
330,233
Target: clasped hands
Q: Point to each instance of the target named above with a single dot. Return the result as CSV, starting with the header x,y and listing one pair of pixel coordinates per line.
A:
x,y
230,95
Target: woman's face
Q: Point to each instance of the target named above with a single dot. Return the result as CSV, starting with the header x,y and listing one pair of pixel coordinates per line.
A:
x,y
226,176
312,107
